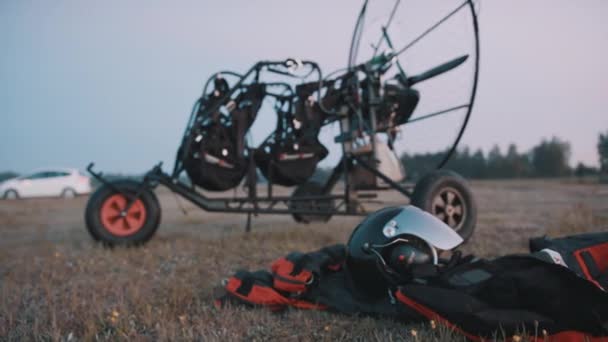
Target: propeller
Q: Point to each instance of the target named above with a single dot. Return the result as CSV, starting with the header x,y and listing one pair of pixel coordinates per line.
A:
x,y
436,71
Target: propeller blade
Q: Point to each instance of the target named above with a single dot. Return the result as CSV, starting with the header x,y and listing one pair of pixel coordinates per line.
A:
x,y
438,70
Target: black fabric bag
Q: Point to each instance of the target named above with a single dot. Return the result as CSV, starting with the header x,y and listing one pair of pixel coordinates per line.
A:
x,y
289,156
475,297
214,162
217,158
585,254
511,293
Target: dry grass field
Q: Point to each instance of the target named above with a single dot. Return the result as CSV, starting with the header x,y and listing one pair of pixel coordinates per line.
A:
x,y
56,284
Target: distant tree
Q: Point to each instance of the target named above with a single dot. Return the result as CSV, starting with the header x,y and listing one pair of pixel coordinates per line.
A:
x,y
511,165
461,162
550,158
583,170
494,154
496,163
471,165
418,165
579,171
517,165
602,151
479,165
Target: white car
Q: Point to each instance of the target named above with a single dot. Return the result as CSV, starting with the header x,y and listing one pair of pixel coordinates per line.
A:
x,y
65,183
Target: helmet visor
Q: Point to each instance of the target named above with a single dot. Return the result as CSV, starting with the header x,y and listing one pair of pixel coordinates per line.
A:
x,y
414,221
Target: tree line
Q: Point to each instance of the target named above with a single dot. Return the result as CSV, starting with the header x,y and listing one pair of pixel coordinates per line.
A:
x,y
549,159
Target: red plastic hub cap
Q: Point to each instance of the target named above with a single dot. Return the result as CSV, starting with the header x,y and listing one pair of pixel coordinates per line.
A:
x,y
121,223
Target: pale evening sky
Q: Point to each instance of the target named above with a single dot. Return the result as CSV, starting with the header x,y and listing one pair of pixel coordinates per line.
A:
x,y
113,81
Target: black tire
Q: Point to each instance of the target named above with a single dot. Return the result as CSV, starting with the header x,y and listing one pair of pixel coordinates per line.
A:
x,y
102,234
11,194
448,196
310,188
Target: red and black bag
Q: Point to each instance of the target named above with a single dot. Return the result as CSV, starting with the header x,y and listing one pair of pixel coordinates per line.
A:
x,y
512,294
288,283
256,289
475,297
585,254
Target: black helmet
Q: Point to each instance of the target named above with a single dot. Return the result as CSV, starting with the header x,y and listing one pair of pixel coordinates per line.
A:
x,y
388,243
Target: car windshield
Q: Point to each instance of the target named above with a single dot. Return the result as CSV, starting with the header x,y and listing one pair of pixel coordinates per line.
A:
x,y
44,174
36,175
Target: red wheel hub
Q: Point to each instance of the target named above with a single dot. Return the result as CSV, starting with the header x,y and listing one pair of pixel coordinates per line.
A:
x,y
117,221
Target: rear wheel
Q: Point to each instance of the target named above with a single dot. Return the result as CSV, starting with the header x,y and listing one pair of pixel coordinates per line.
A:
x,y
11,194
109,222
68,193
446,195
321,205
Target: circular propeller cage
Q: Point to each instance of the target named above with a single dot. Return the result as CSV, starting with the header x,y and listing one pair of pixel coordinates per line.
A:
x,y
389,33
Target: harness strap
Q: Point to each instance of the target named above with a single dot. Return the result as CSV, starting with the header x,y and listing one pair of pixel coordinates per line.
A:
x,y
290,276
255,288
592,267
245,286
588,261
297,271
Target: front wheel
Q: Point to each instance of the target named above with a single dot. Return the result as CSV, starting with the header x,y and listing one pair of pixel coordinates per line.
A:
x,y
109,222
446,195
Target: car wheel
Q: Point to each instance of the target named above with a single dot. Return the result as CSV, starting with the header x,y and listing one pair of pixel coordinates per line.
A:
x,y
108,222
11,194
68,193
447,195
